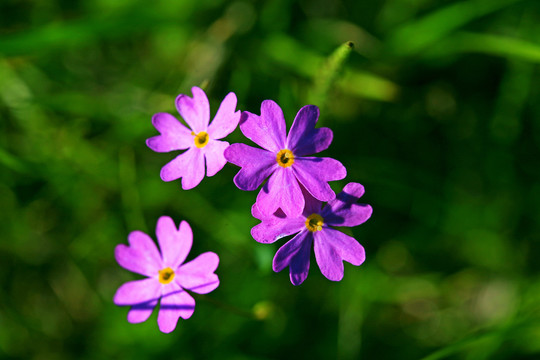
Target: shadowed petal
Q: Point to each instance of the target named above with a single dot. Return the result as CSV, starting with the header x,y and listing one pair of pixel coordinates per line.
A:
x,y
189,166
137,292
175,303
303,138
226,119
274,228
281,191
175,243
312,205
141,256
332,247
198,274
343,210
195,111
257,165
295,254
141,312
174,135
267,130
314,173
258,215
215,159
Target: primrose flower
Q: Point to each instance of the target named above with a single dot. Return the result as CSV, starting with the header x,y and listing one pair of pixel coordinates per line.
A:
x,y
200,140
168,277
313,229
283,159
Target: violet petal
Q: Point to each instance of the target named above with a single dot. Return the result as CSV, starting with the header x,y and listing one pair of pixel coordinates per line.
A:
x,y
215,159
295,254
141,312
314,173
198,274
267,130
174,135
274,228
281,191
175,243
189,166
141,256
256,165
195,111
226,119
303,138
175,303
137,292
332,247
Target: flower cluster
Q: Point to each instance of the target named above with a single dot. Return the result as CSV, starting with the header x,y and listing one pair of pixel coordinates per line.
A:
x,y
290,202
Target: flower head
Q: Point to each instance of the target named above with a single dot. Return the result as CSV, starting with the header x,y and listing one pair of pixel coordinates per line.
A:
x,y
200,140
313,228
168,277
283,158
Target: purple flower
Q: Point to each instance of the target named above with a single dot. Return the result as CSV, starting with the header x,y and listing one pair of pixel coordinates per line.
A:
x,y
168,277
283,159
200,140
312,228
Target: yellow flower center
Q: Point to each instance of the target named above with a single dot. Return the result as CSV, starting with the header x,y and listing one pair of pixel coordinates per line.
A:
x,y
166,275
314,222
285,158
201,139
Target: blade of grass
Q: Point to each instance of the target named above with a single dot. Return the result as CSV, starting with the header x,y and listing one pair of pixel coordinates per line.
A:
x,y
421,33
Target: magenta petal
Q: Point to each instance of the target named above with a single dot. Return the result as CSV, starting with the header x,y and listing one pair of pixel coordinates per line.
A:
x,y
274,228
175,303
198,274
195,111
141,256
226,119
303,138
175,243
295,254
281,191
215,159
332,247
141,312
257,165
174,135
312,205
314,173
343,210
189,166
137,292
267,130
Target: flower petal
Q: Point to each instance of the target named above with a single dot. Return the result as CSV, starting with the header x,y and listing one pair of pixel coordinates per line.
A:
x,y
213,153
295,254
281,191
314,173
274,228
226,119
174,135
175,304
303,138
257,165
141,256
343,210
141,312
198,274
312,205
137,292
267,130
332,247
174,243
195,111
189,166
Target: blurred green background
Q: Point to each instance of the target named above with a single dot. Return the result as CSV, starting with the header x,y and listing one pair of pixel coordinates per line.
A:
x,y
435,111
